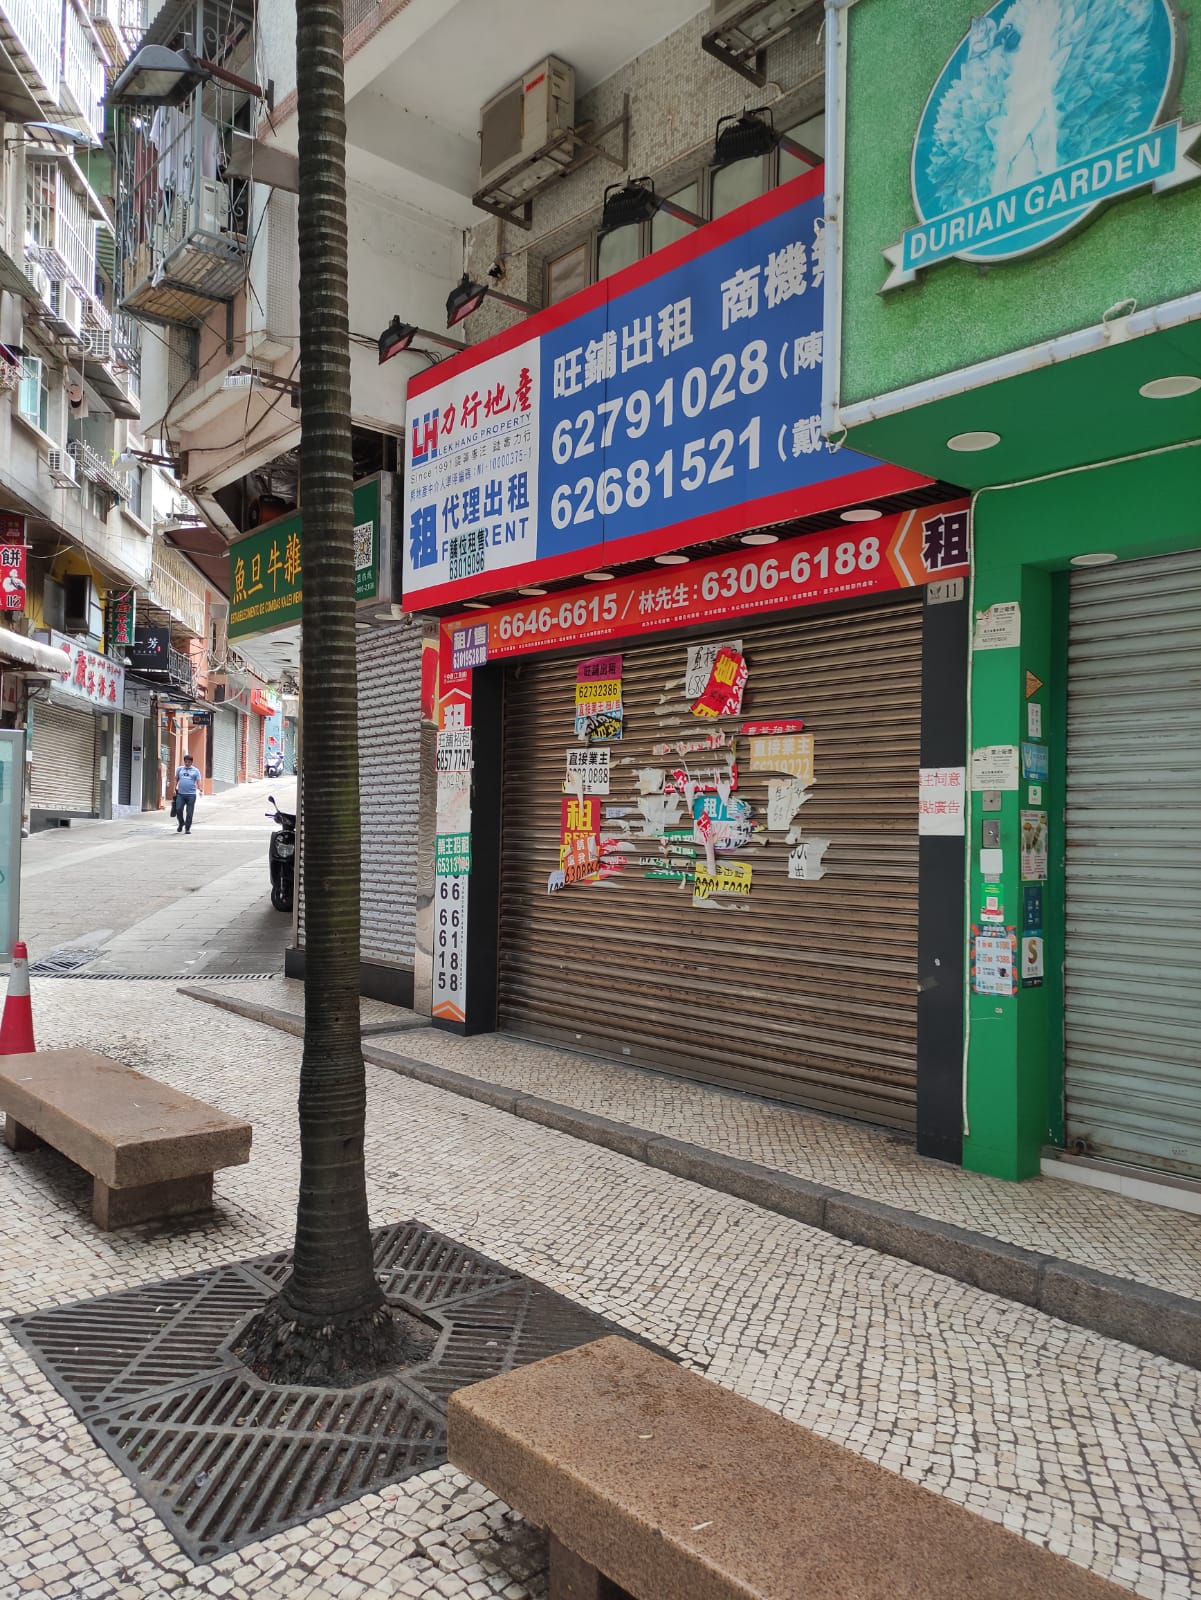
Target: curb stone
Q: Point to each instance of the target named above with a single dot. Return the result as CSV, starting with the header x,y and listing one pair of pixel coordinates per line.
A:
x,y
1138,1314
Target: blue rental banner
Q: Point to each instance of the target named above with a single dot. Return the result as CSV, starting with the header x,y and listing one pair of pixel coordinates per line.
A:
x,y
678,401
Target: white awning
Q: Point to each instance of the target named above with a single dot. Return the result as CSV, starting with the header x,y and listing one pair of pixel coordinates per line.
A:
x,y
30,653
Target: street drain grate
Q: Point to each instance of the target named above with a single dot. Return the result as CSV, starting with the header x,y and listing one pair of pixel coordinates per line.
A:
x,y
226,1459
44,971
63,963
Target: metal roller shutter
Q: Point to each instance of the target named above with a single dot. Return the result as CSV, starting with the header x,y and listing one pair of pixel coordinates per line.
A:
x,y
389,669
807,990
1132,973
225,748
64,759
124,760
389,662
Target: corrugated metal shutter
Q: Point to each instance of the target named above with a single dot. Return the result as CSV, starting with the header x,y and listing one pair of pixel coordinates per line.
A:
x,y
389,667
225,748
1132,976
124,760
807,991
64,759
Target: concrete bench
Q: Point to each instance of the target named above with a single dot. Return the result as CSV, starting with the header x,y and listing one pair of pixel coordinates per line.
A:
x,y
657,1484
151,1150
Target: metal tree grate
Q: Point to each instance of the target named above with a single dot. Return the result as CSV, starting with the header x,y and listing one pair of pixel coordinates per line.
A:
x,y
226,1459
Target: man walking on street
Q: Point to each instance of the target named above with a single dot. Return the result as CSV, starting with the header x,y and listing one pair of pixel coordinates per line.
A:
x,y
187,787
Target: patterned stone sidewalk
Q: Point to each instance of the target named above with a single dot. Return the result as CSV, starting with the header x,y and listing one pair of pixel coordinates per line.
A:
x,y
1084,1445
1109,1232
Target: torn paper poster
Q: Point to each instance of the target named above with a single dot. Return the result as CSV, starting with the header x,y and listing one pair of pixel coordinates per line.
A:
x,y
701,658
688,747
722,695
704,780
598,711
785,797
766,729
454,801
725,824
650,780
660,811
805,861
790,752
454,750
587,770
555,880
729,877
998,628
579,838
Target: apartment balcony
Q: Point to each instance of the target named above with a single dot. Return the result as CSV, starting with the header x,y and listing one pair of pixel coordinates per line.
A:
x,y
184,230
89,463
120,24
177,590
31,32
82,89
115,359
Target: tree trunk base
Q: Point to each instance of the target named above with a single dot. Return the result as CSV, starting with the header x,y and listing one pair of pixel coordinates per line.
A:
x,y
339,1354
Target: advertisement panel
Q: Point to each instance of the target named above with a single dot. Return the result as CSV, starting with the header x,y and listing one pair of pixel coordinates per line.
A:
x,y
678,400
898,552
266,567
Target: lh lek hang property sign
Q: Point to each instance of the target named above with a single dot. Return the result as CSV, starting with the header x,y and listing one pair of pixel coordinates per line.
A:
x,y
675,401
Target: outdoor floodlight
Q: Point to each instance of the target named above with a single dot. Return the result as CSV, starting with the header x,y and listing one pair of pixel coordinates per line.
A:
x,y
398,337
739,138
56,130
635,200
467,297
157,76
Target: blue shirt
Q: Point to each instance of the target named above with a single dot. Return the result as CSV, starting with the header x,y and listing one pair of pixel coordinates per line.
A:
x,y
187,779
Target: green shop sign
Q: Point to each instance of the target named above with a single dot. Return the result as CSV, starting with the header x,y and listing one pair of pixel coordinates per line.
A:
x,y
452,855
266,567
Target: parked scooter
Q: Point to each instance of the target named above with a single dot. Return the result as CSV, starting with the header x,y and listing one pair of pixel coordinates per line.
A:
x,y
281,857
273,766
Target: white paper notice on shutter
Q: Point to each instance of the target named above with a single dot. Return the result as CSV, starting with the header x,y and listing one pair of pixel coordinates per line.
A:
x,y
941,800
995,766
999,628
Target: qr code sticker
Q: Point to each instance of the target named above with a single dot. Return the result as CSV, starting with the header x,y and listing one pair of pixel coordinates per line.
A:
x,y
363,542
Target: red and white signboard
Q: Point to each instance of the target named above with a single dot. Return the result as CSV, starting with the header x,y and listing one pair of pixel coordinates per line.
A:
x,y
13,557
93,680
897,552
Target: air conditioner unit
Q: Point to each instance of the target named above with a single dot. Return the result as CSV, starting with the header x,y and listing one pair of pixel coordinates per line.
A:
x,y
761,21
66,308
61,468
214,206
41,281
516,123
98,342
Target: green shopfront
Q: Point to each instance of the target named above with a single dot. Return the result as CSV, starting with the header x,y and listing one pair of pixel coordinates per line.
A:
x,y
1014,286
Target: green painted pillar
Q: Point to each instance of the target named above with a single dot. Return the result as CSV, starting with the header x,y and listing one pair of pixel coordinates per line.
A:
x,y
1010,1062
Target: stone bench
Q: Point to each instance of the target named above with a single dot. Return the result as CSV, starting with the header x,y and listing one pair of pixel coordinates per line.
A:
x,y
151,1150
658,1484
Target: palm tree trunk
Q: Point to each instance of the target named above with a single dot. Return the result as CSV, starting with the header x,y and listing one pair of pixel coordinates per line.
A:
x,y
329,1324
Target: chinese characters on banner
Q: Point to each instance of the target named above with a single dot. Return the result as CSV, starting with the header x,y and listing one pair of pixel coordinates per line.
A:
x,y
598,712
13,558
120,615
791,753
452,852
833,565
579,839
722,694
687,400
942,792
587,771
93,680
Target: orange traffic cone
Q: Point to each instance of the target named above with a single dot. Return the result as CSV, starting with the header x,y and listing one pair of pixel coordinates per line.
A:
x,y
16,1027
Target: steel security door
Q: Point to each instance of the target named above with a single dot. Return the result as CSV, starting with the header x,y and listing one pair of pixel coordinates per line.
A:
x,y
225,749
64,760
807,990
1132,973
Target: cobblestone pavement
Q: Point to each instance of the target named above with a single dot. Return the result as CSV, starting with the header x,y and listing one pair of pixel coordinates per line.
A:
x,y
1110,1232
145,900
1084,1445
